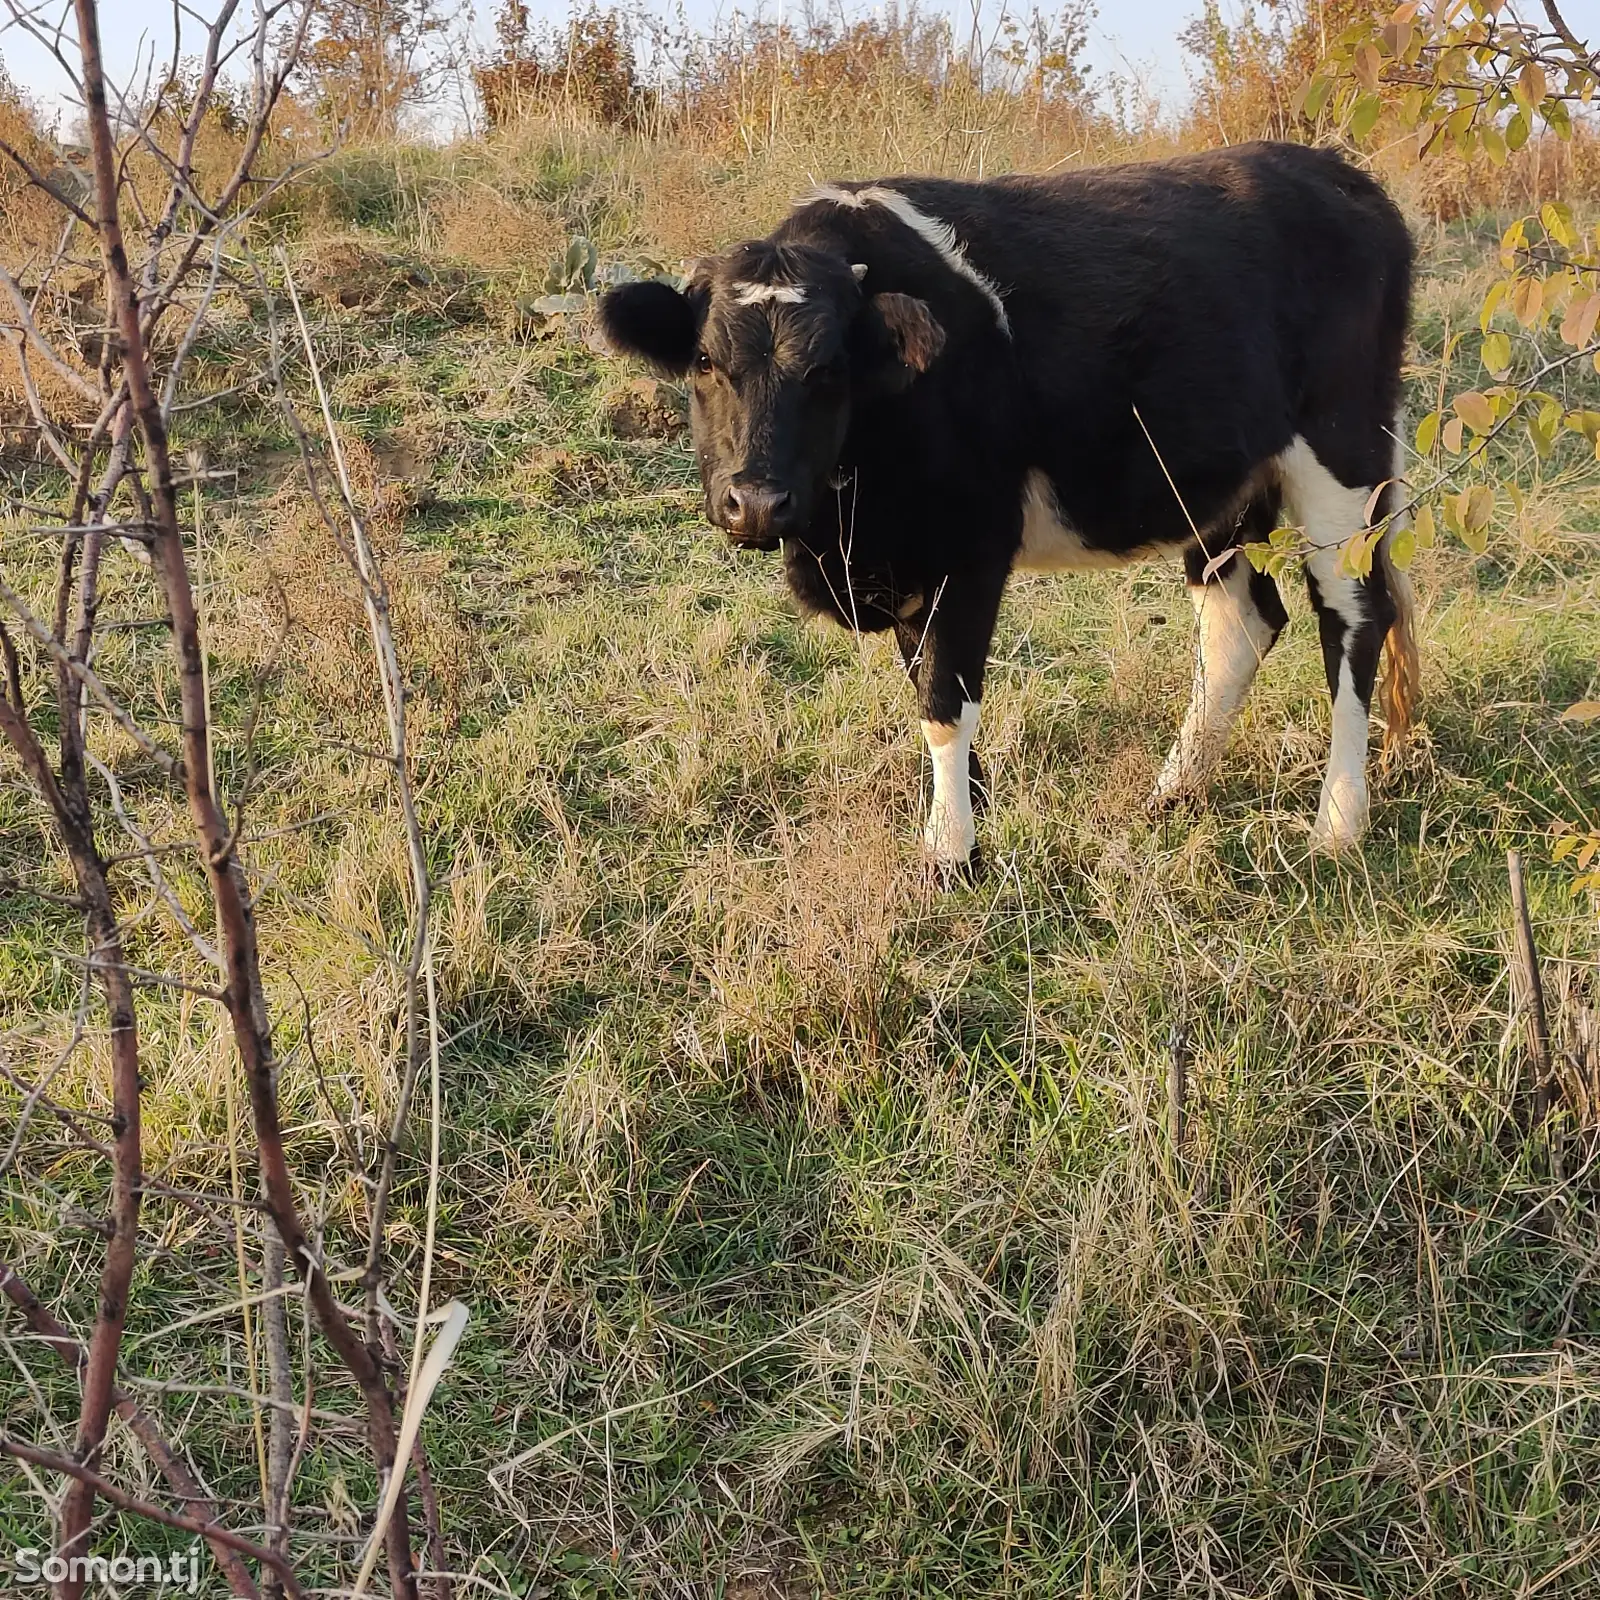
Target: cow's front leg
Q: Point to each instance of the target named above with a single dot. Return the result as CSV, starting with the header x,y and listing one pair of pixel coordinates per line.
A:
x,y
945,644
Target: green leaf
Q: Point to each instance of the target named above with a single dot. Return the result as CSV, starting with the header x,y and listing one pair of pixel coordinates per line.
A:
x,y
1364,117
1403,546
1496,353
1313,96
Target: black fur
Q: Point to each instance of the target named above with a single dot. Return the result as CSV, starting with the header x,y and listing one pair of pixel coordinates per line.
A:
x,y
654,321
1170,323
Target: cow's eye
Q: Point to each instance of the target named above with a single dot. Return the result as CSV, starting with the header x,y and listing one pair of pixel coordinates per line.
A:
x,y
702,362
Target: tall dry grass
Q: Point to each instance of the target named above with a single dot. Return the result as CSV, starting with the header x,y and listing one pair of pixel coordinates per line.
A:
x,y
659,146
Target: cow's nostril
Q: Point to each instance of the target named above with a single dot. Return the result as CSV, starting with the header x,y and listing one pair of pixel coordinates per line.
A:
x,y
753,511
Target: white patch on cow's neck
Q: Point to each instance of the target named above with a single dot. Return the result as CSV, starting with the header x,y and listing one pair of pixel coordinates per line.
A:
x,y
755,294
933,230
1049,544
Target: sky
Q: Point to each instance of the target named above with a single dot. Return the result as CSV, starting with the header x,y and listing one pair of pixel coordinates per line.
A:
x,y
1135,40
1131,38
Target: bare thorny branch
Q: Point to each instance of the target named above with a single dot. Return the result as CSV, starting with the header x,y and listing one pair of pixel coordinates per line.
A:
x,y
125,451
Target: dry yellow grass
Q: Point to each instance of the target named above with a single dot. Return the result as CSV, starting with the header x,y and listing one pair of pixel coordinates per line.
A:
x,y
832,1232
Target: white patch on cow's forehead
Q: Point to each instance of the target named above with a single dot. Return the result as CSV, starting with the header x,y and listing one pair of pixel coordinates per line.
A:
x,y
754,294
933,230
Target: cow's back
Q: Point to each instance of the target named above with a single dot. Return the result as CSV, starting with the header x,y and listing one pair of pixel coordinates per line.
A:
x,y
1210,302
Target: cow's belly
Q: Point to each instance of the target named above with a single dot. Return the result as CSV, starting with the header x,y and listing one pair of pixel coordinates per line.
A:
x,y
1050,544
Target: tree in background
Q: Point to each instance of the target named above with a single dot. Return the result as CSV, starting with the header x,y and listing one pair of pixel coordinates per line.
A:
x,y
589,64
368,62
1252,68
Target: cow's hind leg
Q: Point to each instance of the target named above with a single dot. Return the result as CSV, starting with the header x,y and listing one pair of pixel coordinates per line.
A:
x,y
1240,615
945,644
1353,615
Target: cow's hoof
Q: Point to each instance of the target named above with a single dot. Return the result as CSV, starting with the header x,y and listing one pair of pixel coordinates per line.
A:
x,y
948,876
1331,841
1164,803
1341,823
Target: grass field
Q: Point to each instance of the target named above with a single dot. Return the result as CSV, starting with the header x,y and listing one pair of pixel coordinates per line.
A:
x,y
829,1233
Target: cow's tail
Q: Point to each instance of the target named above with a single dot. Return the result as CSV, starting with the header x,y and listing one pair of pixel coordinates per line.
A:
x,y
1401,683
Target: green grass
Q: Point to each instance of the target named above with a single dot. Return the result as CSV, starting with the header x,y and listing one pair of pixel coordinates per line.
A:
x,y
830,1229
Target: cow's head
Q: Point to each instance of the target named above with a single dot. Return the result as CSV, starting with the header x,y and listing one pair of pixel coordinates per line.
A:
x,y
779,342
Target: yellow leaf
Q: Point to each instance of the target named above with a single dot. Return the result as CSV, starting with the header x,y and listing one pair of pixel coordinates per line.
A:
x,y
1367,65
1577,327
1496,353
1583,711
1527,300
1531,85
1427,433
1451,433
1422,527
1491,302
1355,554
1476,410
1557,220
1479,507
1494,144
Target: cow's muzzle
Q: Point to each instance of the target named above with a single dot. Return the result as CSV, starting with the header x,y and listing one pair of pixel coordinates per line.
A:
x,y
756,515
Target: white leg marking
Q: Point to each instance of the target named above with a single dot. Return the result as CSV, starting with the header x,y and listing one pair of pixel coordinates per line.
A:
x,y
1330,513
950,834
1233,637
1342,812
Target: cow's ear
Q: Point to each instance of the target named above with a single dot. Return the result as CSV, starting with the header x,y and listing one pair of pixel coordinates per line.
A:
x,y
899,337
652,320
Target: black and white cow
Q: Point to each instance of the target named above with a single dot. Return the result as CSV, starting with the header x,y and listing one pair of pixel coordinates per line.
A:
x,y
916,385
